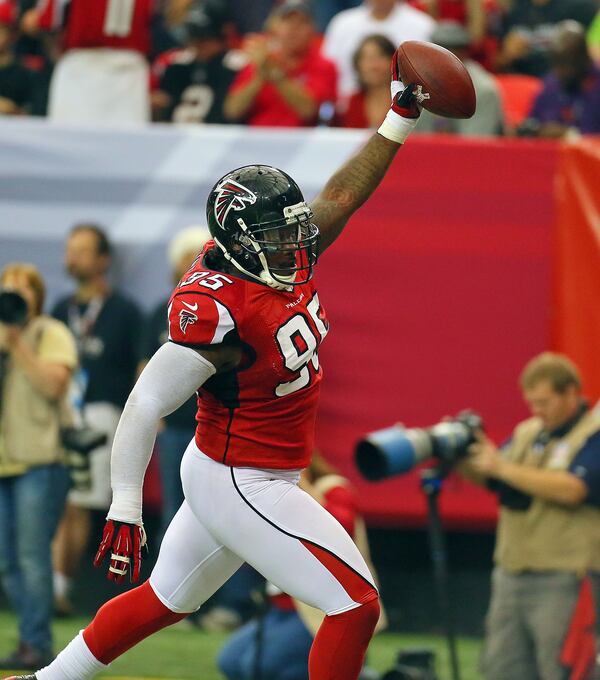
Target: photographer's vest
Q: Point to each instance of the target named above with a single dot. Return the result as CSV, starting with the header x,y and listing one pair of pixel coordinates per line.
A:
x,y
549,536
30,422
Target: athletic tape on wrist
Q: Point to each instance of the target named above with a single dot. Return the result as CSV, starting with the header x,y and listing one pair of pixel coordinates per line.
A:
x,y
126,505
396,128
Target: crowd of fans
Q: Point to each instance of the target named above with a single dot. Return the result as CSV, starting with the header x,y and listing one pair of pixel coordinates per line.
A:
x,y
534,63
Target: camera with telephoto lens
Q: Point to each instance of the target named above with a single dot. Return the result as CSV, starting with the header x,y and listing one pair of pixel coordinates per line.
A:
x,y
396,450
13,308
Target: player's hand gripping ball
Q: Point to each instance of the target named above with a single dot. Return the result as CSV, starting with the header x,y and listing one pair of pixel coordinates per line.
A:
x,y
438,79
125,543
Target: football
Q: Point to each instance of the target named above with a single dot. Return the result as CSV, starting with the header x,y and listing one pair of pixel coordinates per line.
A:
x,y
447,87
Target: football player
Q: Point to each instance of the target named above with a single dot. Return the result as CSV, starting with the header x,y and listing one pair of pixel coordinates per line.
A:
x,y
245,325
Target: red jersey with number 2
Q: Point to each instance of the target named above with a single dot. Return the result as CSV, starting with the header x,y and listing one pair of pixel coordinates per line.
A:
x,y
262,414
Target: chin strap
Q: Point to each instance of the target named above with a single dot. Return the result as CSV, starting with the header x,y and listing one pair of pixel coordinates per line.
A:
x,y
264,276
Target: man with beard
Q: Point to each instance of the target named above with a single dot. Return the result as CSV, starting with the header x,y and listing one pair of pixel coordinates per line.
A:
x,y
106,326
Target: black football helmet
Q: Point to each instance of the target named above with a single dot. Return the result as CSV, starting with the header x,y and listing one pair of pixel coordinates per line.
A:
x,y
258,217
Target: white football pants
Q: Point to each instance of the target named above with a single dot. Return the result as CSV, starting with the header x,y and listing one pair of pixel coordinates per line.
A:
x,y
235,515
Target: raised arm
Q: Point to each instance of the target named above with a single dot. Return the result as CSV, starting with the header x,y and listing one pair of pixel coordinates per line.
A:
x,y
351,186
358,178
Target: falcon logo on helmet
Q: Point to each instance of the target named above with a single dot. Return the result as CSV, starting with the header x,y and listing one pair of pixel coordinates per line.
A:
x,y
231,195
261,223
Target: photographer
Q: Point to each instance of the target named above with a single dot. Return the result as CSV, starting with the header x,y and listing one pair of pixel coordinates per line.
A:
x,y
548,481
37,357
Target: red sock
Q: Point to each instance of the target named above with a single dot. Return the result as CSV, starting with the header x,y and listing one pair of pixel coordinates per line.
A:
x,y
339,648
126,620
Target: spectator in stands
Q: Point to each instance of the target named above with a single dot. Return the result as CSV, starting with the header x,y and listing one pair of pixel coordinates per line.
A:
x,y
469,13
288,626
16,81
37,358
169,30
528,29
488,120
193,87
570,98
368,106
547,477
287,79
394,19
102,76
107,327
178,428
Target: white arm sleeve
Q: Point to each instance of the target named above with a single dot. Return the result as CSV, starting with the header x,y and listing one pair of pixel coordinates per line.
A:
x,y
170,378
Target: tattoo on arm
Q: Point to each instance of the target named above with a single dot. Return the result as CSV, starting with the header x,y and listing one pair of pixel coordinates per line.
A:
x,y
351,186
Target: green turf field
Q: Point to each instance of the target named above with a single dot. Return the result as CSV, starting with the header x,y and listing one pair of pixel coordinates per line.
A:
x,y
190,654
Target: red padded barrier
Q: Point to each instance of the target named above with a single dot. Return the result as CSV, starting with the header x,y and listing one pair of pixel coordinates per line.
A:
x,y
576,294
438,293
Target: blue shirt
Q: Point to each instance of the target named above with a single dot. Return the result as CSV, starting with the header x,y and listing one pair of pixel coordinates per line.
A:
x,y
580,109
586,466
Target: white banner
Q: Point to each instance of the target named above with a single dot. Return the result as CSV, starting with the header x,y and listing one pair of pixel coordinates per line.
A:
x,y
142,184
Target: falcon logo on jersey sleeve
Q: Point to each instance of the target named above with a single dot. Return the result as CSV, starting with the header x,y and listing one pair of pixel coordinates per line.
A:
x,y
198,319
186,318
231,196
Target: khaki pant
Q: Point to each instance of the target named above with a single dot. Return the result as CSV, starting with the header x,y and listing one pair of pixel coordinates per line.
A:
x,y
526,625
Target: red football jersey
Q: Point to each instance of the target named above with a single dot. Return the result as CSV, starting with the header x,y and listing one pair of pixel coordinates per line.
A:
x,y
262,414
120,24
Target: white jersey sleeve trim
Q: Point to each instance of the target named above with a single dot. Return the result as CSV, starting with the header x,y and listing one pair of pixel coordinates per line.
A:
x,y
225,325
169,379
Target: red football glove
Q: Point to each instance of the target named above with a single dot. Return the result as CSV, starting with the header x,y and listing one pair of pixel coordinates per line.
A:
x,y
405,109
405,98
125,541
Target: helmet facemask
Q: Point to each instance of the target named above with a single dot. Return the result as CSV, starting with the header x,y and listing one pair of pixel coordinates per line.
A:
x,y
280,253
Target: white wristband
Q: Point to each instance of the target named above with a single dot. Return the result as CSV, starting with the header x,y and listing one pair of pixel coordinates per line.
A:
x,y
396,128
126,505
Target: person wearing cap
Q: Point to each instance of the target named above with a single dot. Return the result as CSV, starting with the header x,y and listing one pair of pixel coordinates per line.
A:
x,y
287,79
194,84
488,120
16,81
